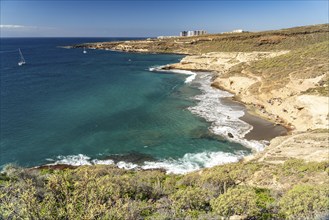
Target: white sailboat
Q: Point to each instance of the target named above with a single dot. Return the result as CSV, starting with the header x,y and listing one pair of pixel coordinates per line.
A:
x,y
22,60
84,50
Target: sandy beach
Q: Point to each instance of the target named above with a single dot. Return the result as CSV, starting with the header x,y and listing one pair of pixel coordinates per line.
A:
x,y
262,129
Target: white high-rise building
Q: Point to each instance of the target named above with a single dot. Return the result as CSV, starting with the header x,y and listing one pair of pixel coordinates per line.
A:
x,y
192,33
237,31
183,33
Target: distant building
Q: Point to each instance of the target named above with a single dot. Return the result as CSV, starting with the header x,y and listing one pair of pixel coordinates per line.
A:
x,y
165,37
183,33
192,33
235,31
238,31
200,32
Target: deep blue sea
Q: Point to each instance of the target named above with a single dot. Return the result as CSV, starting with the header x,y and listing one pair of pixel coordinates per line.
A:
x,y
64,106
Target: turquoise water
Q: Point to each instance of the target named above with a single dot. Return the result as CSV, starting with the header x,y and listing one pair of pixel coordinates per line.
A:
x,y
103,103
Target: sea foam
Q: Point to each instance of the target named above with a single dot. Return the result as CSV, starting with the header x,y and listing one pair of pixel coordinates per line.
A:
x,y
188,79
225,119
193,161
188,163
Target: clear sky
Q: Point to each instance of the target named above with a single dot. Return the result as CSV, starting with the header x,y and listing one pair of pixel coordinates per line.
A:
x,y
94,18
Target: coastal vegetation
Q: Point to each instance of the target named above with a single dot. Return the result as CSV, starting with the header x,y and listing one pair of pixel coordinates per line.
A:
x,y
251,190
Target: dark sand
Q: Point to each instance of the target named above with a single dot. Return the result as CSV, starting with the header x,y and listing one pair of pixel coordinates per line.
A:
x,y
262,129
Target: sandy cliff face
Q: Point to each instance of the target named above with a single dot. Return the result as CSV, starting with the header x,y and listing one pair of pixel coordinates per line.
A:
x,y
288,104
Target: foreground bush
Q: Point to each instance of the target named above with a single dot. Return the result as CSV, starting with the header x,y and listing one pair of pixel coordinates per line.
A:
x,y
305,202
237,201
106,192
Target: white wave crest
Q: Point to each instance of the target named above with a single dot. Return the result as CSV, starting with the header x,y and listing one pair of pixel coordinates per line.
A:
x,y
79,160
189,79
74,160
225,120
192,162
126,165
188,163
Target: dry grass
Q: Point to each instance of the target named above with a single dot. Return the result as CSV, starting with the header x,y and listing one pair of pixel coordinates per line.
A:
x,y
303,63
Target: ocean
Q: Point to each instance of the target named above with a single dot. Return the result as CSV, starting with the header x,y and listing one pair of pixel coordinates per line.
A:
x,y
105,107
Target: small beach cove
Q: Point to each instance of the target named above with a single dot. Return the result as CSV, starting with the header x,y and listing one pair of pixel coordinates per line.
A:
x,y
103,107
257,133
228,110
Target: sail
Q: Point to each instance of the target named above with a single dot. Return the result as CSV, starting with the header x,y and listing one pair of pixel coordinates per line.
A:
x,y
22,60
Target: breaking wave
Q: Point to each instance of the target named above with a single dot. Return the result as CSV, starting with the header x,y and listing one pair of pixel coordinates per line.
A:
x,y
191,162
225,119
188,79
188,163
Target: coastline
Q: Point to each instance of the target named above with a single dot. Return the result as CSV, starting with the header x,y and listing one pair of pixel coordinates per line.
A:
x,y
236,113
239,125
266,115
222,109
262,129
288,107
258,132
235,125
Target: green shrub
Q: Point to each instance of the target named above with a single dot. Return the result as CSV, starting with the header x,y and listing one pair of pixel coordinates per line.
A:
x,y
191,198
106,192
305,201
12,171
127,209
242,201
221,178
148,185
3,178
296,166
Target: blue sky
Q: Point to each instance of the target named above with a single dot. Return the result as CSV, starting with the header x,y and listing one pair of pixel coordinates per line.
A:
x,y
152,18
